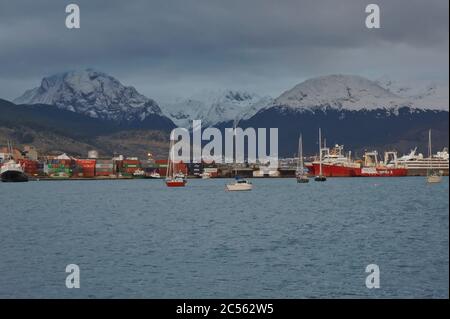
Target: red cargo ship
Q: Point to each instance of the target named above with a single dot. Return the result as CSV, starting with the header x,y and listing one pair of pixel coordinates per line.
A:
x,y
335,164
388,168
336,170
383,171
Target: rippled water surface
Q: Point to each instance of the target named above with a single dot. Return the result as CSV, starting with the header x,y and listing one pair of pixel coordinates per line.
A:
x,y
141,239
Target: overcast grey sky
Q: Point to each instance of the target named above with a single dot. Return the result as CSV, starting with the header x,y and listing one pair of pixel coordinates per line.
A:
x,y
171,48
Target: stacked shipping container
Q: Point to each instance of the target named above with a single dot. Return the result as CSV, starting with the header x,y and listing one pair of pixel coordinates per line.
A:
x,y
129,166
86,167
104,167
58,168
30,167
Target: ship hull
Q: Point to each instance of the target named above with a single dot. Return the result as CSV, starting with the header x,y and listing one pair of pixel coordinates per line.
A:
x,y
13,177
302,179
383,172
330,170
239,187
173,183
152,177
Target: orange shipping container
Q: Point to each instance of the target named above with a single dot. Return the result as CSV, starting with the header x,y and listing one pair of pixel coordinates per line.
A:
x,y
88,172
88,163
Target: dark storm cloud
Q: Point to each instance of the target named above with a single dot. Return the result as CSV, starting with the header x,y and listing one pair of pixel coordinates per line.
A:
x,y
178,46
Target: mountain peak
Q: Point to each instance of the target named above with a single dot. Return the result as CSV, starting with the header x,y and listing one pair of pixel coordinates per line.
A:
x,y
92,93
215,106
339,91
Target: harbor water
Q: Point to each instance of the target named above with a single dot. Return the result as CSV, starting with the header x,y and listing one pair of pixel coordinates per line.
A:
x,y
140,239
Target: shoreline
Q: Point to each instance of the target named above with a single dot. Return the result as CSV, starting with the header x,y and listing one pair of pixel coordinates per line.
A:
x,y
50,179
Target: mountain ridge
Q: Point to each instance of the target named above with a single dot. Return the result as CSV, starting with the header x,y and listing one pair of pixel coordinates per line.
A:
x,y
99,95
92,93
214,106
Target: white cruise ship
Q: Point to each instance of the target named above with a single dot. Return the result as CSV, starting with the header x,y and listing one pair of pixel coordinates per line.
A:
x,y
417,164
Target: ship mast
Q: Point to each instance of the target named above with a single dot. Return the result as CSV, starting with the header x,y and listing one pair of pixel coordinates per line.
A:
x,y
429,152
298,153
10,150
301,153
320,151
169,160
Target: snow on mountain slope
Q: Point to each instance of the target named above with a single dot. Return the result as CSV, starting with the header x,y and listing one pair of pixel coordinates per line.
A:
x,y
92,93
433,97
99,95
422,95
347,92
215,106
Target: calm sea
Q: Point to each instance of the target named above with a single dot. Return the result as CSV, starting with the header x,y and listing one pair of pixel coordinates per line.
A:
x,y
140,239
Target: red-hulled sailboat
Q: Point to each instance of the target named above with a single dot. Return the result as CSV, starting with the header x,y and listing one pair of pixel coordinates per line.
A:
x,y
173,179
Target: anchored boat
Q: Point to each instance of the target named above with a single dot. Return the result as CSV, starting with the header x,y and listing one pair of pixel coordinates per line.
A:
x,y
418,164
320,177
335,163
433,176
240,185
300,174
205,175
387,168
173,179
12,171
154,175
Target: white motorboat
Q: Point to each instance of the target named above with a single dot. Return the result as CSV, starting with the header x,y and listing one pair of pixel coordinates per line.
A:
x,y
205,175
240,185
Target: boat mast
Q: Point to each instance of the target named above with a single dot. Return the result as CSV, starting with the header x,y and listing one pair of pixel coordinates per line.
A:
x,y
235,123
301,153
10,150
169,165
320,151
429,152
298,153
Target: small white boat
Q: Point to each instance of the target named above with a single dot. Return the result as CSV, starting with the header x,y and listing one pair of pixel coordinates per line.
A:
x,y
154,175
240,185
437,178
205,175
139,174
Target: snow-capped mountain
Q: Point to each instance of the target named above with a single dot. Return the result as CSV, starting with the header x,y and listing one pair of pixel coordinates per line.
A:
x,y
92,93
351,110
348,92
215,106
428,95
